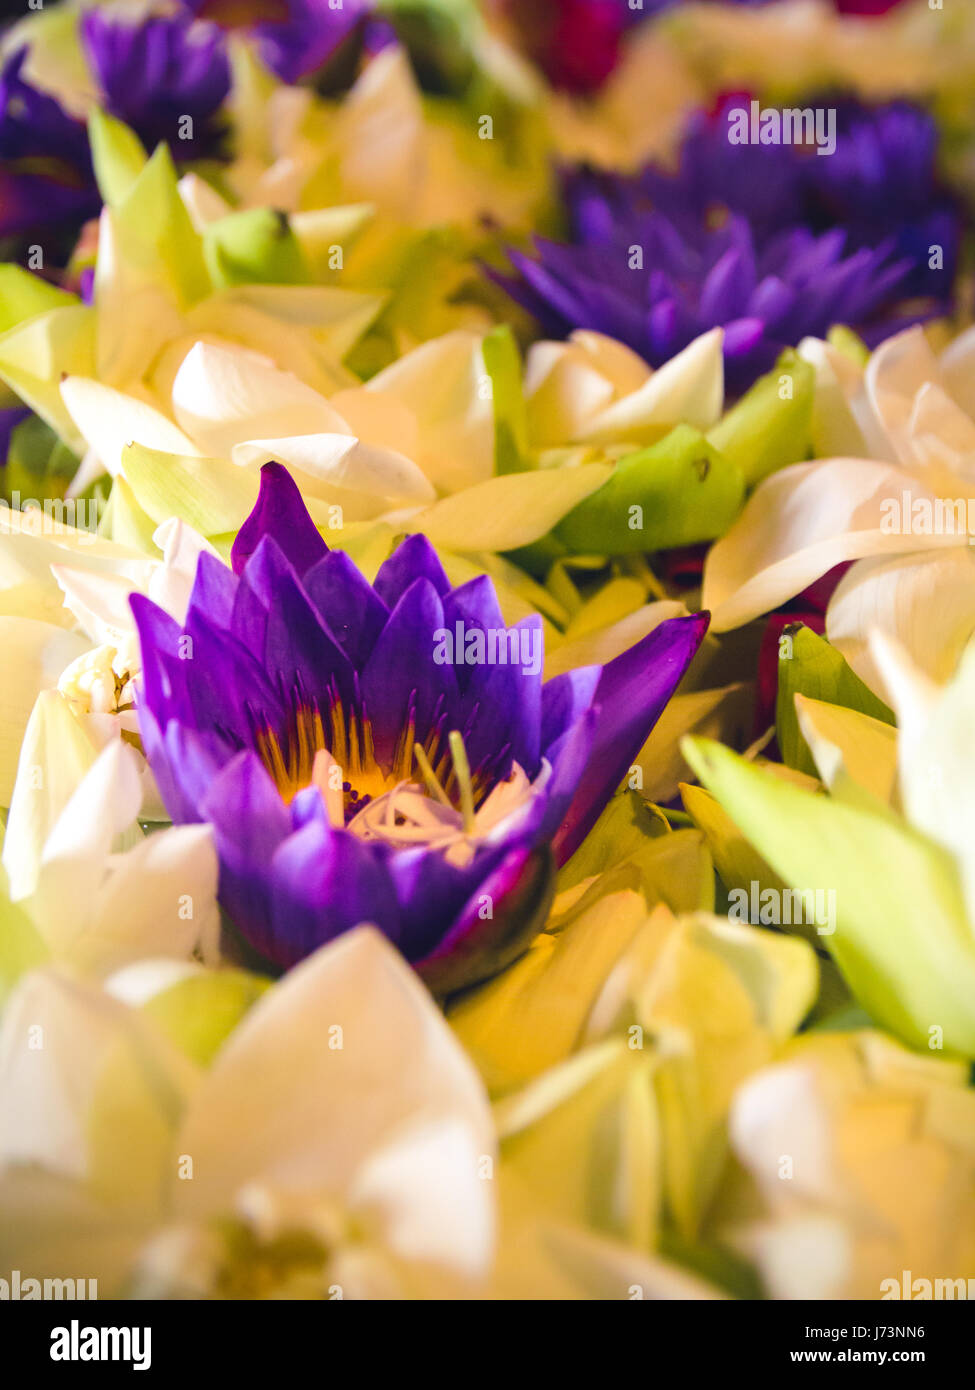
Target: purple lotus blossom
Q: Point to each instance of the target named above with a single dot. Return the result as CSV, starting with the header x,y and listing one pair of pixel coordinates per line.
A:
x,y
46,179
771,242
881,182
157,72
356,765
656,284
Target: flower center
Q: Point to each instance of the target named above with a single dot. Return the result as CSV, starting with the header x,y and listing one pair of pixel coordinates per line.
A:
x,y
428,797
409,818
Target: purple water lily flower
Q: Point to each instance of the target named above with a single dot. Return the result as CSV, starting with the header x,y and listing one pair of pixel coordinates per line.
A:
x,y
656,284
311,34
165,77
385,753
880,184
772,242
46,179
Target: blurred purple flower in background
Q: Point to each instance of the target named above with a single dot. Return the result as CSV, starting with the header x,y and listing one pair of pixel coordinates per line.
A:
x,y
46,179
771,242
295,37
164,77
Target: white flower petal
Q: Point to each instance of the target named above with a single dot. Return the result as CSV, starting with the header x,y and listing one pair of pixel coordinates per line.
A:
x,y
926,601
798,524
689,389
109,420
224,396
326,1070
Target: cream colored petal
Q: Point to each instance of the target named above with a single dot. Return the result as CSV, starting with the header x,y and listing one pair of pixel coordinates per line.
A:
x,y
74,864
911,694
801,522
839,380
224,396
598,647
202,201
429,1197
109,420
564,391
896,372
958,370
171,583
924,600
56,752
100,602
942,436
443,385
937,773
689,389
88,1091
624,368
340,461
137,304
157,900
379,135
848,744
35,354
325,1071
510,510
725,713
35,654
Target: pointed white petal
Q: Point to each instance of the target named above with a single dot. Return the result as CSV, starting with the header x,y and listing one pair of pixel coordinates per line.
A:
x,y
689,389
224,396
109,420
325,1071
926,601
801,522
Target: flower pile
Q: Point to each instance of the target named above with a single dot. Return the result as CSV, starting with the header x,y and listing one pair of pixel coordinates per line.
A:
x,y
487,603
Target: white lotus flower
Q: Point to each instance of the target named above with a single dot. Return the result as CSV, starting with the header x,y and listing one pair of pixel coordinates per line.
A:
x,y
94,907
898,505
340,1145
67,625
859,1158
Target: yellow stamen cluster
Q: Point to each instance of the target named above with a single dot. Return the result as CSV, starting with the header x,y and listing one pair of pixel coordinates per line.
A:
x,y
350,776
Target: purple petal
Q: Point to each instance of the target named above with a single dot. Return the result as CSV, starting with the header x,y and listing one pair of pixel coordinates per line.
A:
x,y
280,513
414,559
349,606
496,925
630,697
401,682
323,883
